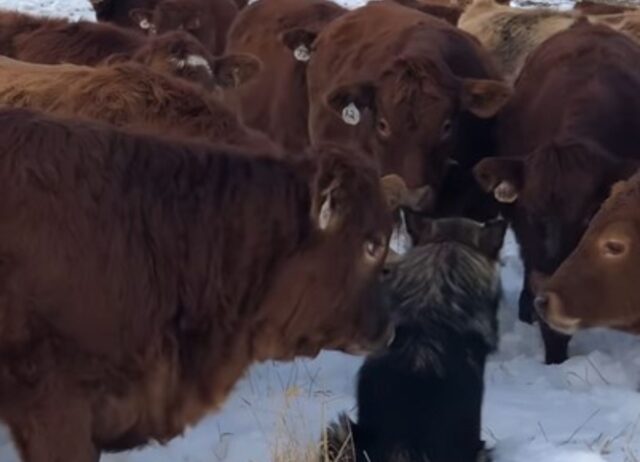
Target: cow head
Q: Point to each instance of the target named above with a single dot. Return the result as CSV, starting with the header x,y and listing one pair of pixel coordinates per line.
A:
x,y
408,119
597,285
169,15
551,194
179,54
331,294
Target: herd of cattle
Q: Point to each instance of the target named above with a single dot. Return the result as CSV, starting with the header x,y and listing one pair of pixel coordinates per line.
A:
x,y
190,186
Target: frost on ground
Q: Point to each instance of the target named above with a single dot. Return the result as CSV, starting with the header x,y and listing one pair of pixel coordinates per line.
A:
x,y
586,410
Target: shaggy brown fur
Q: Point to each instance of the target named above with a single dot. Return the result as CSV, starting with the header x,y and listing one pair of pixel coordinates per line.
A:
x,y
207,20
277,101
128,95
140,277
54,41
511,34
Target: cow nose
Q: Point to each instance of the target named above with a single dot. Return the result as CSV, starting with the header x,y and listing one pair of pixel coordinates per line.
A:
x,y
541,303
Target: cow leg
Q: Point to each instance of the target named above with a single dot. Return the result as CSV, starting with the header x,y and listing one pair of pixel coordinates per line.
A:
x,y
556,346
54,429
525,306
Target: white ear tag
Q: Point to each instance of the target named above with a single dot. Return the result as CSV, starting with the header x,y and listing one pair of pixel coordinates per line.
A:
x,y
325,214
302,53
400,241
145,24
351,114
505,193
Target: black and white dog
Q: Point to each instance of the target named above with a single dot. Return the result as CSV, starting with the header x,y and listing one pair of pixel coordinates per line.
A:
x,y
420,400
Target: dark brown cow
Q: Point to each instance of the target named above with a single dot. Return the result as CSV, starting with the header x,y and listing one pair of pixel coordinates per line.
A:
x,y
439,8
119,11
597,286
570,131
131,95
53,41
409,89
207,20
589,7
276,102
142,276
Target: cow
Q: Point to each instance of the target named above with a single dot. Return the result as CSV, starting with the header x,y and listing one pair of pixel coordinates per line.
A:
x,y
131,95
590,7
596,286
207,20
511,34
54,41
442,9
276,102
409,89
421,398
119,11
142,275
570,131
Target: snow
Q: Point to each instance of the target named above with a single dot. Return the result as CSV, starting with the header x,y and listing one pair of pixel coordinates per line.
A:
x,y
586,410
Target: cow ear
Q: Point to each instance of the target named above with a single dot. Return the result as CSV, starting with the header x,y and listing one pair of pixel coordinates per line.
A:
x,y
484,98
504,176
300,42
349,101
142,17
491,237
234,70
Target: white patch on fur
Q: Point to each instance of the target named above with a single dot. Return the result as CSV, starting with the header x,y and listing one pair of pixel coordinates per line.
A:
x,y
193,61
325,214
351,114
302,53
196,61
400,241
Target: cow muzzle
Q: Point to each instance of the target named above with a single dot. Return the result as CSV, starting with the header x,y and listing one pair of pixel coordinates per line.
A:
x,y
550,308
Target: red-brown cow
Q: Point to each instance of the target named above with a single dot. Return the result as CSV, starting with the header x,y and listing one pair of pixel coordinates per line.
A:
x,y
411,90
131,95
276,102
141,276
207,20
571,130
597,285
439,8
54,41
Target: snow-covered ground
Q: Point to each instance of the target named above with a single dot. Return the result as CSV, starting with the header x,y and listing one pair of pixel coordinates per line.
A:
x,y
586,410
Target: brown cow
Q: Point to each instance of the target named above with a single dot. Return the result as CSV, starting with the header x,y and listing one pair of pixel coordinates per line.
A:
x,y
408,88
53,41
142,276
442,9
597,285
571,130
131,95
276,102
207,20
589,7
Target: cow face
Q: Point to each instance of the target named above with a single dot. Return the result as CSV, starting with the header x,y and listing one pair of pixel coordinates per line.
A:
x,y
408,119
598,284
550,195
331,295
179,54
169,15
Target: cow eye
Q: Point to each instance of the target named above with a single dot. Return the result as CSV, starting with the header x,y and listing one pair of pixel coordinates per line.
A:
x,y
445,131
614,248
383,128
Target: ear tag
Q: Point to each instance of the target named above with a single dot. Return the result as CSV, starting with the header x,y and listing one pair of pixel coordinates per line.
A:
x,y
351,114
325,214
145,24
302,53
